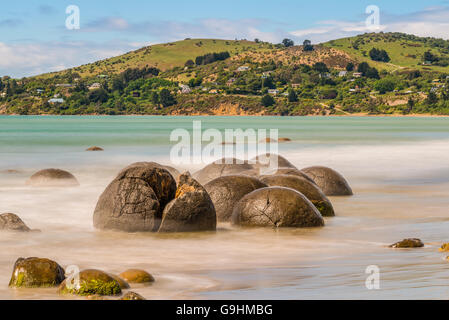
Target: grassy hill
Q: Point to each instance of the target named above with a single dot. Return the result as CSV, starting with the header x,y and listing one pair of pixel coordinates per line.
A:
x,y
405,51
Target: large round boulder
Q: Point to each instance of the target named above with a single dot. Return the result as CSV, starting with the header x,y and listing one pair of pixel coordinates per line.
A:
x,y
91,282
276,207
52,178
226,191
222,167
271,161
329,181
191,210
289,171
174,172
304,186
36,273
12,222
135,199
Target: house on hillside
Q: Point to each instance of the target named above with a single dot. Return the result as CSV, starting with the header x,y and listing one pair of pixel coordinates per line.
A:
x,y
243,69
231,81
273,92
296,85
94,86
64,85
136,94
325,75
185,88
357,74
342,74
56,100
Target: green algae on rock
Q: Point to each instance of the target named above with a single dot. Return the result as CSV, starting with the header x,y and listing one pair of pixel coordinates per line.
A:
x,y
36,273
92,282
408,243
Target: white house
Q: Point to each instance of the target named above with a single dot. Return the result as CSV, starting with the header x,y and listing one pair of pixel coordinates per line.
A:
x,y
274,92
56,100
357,74
185,88
342,74
95,85
243,69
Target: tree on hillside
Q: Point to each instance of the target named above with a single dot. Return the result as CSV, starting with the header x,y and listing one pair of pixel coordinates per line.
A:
x,y
189,63
98,95
384,85
432,98
307,45
379,55
268,101
154,97
320,67
429,56
117,84
288,43
350,67
166,98
292,96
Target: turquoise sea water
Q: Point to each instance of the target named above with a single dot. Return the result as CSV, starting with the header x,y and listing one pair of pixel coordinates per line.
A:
x,y
398,168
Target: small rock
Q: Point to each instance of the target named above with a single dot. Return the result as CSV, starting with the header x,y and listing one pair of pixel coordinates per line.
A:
x,y
137,276
12,222
92,282
284,139
408,243
132,296
36,273
52,178
444,247
95,148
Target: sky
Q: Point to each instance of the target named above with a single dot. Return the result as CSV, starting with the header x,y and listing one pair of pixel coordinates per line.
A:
x,y
34,37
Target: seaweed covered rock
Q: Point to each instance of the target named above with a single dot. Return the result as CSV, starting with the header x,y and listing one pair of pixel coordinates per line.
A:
x,y
191,210
226,191
52,178
276,207
330,181
132,296
135,199
270,161
408,243
92,282
122,282
137,276
12,222
307,188
222,167
36,273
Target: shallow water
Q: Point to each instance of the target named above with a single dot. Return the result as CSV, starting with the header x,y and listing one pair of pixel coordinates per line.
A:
x,y
397,167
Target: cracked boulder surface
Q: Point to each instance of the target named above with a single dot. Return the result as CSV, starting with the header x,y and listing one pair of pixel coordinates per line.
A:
x,y
174,172
12,222
222,167
192,209
271,161
329,181
226,191
52,178
135,199
276,207
304,186
36,273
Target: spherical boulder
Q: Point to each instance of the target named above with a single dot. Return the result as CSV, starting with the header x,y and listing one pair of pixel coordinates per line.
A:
x,y
271,161
226,191
135,199
137,276
222,167
408,243
304,186
12,222
289,171
91,282
36,273
122,282
191,210
52,178
276,207
174,172
132,296
330,181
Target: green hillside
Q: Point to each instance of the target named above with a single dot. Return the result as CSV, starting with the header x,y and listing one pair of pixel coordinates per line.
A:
x,y
406,51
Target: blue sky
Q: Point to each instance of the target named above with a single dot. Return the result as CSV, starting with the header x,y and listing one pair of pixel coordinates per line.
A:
x,y
34,38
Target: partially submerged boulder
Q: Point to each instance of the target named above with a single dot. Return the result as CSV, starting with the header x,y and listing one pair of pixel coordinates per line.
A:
x,y
95,148
132,296
12,222
137,276
174,172
135,199
270,160
289,171
52,178
304,186
276,207
222,167
122,282
36,273
408,243
191,210
330,181
92,282
226,191
444,247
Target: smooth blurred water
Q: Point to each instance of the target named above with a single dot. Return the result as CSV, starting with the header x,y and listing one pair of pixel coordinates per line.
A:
x,y
398,168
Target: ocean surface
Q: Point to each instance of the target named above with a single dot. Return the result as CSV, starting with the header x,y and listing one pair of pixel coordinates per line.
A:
x,y
398,169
